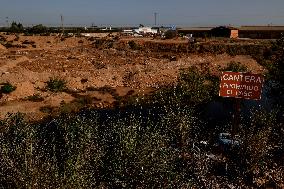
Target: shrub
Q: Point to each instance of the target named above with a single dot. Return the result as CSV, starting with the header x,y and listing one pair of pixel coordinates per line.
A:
x,y
119,151
235,67
56,85
133,45
27,42
28,33
38,29
276,69
262,149
7,88
196,88
170,34
35,98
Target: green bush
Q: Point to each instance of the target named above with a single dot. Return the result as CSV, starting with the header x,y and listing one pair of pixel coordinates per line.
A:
x,y
120,151
16,28
170,34
7,88
56,85
235,67
197,87
38,29
193,88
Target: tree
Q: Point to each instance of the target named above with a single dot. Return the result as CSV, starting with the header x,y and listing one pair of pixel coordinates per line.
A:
x,y
16,27
37,29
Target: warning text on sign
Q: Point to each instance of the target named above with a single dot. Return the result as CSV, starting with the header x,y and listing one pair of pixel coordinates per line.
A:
x,y
241,85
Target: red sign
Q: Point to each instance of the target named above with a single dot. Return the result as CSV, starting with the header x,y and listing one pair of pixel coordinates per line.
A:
x,y
241,85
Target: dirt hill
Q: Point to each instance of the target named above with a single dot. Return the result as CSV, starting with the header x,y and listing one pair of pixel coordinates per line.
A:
x,y
97,73
2,47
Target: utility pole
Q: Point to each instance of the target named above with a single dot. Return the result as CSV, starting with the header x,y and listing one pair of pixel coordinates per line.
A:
x,y
7,21
155,15
62,25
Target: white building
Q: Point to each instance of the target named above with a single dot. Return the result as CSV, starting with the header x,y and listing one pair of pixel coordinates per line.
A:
x,y
146,30
128,32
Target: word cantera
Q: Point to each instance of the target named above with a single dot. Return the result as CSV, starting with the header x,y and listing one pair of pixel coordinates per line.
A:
x,y
242,78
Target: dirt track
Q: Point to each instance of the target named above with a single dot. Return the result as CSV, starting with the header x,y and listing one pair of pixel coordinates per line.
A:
x,y
86,69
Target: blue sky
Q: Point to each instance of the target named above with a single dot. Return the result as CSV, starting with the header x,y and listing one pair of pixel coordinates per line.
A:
x,y
135,12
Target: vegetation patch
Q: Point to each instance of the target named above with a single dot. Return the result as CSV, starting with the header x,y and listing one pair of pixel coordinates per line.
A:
x,y
91,88
235,67
35,98
158,141
16,27
27,42
46,109
56,85
170,34
7,88
133,45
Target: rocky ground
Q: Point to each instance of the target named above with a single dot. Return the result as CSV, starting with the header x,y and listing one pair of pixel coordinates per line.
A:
x,y
97,75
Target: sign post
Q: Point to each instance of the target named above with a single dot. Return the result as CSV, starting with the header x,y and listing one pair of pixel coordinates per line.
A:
x,y
240,85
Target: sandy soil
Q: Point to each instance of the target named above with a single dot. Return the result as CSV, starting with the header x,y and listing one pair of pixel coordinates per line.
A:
x,y
86,69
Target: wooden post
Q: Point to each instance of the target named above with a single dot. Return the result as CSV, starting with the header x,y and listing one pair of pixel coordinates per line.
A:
x,y
236,117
